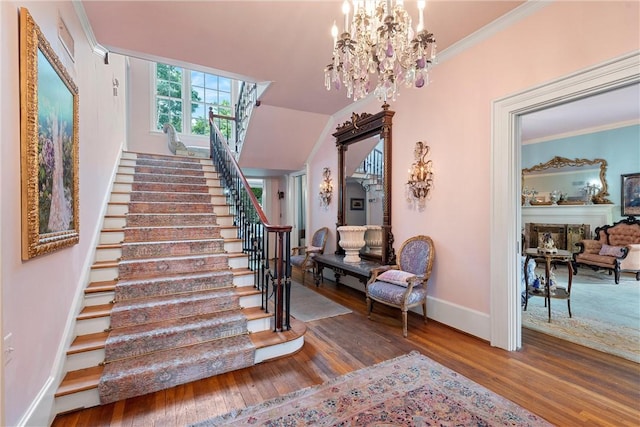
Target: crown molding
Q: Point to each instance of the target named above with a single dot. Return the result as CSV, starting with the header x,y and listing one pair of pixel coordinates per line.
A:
x,y
584,131
96,47
494,27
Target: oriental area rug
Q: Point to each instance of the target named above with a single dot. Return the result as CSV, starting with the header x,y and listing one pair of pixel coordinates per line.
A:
x,y
605,315
410,390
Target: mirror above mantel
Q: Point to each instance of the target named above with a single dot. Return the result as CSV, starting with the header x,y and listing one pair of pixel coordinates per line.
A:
x,y
564,181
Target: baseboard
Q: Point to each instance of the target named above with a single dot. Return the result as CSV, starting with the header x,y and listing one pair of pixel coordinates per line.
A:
x,y
455,316
39,412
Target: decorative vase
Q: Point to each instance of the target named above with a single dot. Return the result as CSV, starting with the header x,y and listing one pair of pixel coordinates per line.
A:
x,y
373,239
352,240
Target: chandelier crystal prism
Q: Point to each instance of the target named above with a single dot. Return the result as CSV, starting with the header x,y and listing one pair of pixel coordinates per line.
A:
x,y
379,50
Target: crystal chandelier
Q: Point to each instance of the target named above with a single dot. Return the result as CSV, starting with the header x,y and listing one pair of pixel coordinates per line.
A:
x,y
380,41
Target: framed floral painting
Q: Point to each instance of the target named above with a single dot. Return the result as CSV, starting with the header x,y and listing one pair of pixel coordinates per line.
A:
x,y
630,199
48,146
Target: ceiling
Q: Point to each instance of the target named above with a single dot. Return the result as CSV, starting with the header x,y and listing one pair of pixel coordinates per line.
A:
x,y
288,43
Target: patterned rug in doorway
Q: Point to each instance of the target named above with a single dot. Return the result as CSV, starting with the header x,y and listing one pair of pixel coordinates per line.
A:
x,y
410,390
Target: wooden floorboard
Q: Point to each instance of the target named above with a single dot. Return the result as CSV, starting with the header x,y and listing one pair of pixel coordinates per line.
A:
x,y
567,384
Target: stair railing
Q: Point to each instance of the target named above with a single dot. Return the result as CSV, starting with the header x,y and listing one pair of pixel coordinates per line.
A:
x,y
247,99
268,246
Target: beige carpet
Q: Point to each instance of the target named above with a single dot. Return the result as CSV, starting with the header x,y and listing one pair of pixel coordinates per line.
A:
x,y
307,305
606,316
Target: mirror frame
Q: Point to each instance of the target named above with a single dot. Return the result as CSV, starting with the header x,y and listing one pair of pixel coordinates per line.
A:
x,y
559,162
361,127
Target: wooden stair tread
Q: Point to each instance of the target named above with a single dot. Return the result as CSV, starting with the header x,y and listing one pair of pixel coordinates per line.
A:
x,y
94,311
253,313
109,246
80,380
104,286
247,291
269,338
88,342
104,264
242,271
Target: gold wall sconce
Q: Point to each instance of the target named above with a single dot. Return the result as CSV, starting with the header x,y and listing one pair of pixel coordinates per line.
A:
x,y
326,187
420,180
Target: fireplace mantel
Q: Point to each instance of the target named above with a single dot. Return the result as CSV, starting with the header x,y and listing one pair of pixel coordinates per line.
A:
x,y
594,215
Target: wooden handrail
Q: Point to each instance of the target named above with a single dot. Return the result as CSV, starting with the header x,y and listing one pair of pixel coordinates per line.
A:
x,y
252,197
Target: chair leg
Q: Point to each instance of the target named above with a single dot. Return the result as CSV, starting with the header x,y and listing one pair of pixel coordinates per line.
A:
x,y
404,323
569,307
369,307
424,311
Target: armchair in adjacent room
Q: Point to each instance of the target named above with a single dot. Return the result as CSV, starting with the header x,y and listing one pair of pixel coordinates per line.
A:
x,y
302,256
404,285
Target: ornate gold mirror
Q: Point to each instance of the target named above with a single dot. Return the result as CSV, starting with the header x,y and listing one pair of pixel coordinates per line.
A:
x,y
364,177
566,181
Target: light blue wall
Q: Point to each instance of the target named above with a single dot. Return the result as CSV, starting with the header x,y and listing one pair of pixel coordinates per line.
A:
x,y
619,147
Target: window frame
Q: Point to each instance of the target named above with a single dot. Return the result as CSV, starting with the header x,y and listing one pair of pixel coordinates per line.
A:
x,y
186,100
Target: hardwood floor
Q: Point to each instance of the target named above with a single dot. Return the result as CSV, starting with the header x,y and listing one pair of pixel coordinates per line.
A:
x,y
567,384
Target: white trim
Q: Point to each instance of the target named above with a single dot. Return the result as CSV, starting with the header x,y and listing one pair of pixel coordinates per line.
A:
x,y
38,413
526,9
58,369
96,47
505,215
584,131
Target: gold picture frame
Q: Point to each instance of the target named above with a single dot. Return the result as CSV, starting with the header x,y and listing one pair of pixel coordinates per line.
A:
x,y
48,145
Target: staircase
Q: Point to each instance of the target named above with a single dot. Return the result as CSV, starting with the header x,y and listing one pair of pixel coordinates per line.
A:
x,y
170,298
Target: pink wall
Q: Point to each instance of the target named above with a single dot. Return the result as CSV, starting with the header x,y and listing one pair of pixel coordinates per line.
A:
x,y
453,115
38,295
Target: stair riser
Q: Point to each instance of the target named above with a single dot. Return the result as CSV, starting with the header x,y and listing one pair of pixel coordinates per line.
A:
x,y
169,207
180,188
224,220
117,197
117,209
103,274
111,222
98,298
229,232
238,261
106,274
148,196
109,254
84,359
84,399
148,234
121,187
170,179
175,248
124,178
220,209
170,266
113,254
110,237
124,314
170,220
93,325
179,333
168,171
127,163
138,289
169,164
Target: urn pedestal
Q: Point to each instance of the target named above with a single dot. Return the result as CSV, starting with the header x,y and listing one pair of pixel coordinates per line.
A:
x,y
352,240
373,239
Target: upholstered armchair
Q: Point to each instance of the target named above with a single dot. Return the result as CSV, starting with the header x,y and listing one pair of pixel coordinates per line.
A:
x,y
302,256
615,248
404,285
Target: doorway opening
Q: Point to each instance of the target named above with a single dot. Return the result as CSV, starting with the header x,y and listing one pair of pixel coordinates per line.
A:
x,y
505,222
